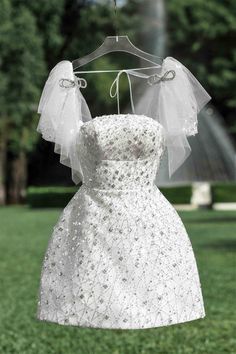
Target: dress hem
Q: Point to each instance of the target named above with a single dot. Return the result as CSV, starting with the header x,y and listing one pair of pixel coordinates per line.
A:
x,y
61,323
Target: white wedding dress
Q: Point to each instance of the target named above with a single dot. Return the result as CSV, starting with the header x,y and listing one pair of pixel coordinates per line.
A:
x,y
119,255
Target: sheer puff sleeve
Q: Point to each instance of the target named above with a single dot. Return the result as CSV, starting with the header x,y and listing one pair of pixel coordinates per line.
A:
x,y
63,110
179,102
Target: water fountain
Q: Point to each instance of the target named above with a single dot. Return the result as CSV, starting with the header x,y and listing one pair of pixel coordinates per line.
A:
x,y
213,152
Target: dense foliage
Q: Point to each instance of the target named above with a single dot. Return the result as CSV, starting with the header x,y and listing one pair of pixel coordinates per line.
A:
x,y
203,34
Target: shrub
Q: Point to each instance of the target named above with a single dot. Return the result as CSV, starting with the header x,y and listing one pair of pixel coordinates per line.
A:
x,y
43,197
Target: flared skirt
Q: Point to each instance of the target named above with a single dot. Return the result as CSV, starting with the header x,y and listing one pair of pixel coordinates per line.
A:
x,y
119,259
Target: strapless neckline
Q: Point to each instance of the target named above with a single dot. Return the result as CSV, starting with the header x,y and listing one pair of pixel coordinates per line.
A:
x,y
124,115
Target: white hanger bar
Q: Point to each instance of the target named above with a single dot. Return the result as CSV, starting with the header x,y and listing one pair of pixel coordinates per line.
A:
x,y
115,71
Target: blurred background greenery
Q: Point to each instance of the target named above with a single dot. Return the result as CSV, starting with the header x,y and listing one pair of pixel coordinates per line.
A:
x,y
35,36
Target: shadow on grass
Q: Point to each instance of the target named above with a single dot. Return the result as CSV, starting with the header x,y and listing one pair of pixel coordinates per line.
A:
x,y
208,220
221,245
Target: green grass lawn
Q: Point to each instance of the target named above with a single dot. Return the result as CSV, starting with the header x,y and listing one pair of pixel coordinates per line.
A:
x,y
23,241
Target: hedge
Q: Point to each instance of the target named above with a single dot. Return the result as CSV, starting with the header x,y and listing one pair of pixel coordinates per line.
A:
x,y
44,197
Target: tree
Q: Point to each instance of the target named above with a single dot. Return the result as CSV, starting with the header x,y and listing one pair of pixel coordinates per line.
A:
x,y
5,29
204,32
22,65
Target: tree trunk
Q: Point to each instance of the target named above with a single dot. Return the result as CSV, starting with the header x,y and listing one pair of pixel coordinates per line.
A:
x,y
17,179
3,153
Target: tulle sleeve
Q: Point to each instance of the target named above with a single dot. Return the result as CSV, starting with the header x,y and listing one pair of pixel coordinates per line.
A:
x,y
63,110
180,100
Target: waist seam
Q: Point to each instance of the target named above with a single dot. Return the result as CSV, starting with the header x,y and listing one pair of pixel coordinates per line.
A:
x,y
149,188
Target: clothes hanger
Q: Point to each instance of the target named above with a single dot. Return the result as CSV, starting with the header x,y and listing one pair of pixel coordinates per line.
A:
x,y
116,44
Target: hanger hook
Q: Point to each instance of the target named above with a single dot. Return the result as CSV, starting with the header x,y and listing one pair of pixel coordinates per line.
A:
x,y
116,19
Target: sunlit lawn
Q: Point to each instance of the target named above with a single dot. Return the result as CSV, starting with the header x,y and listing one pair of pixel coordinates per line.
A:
x,y
23,240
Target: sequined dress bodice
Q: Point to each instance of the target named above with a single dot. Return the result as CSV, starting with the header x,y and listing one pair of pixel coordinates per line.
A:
x,y
121,151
